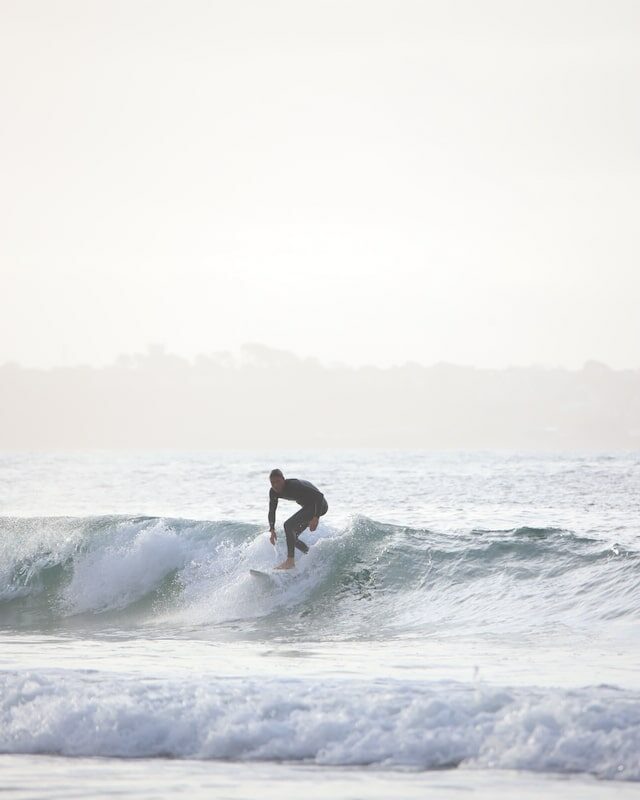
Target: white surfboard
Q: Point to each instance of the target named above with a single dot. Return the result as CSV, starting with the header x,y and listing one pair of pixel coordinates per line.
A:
x,y
274,576
265,576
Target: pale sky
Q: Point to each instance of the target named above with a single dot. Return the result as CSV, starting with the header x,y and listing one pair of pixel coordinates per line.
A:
x,y
359,181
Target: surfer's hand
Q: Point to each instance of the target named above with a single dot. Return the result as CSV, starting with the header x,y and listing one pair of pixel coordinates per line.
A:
x,y
313,524
273,536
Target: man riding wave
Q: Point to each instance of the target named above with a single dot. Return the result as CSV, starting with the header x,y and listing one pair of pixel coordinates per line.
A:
x,y
313,505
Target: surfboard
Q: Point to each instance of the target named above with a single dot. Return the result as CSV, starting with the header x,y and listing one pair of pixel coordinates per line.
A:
x,y
276,577
258,573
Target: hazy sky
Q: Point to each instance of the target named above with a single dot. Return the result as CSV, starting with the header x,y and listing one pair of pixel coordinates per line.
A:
x,y
358,181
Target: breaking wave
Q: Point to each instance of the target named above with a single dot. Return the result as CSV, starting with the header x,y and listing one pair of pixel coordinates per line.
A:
x,y
365,579
391,724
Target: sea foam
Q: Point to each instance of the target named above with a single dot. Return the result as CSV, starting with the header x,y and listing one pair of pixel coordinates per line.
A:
x,y
392,724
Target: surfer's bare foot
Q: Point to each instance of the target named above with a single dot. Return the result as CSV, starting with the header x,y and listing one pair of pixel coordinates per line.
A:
x,y
288,563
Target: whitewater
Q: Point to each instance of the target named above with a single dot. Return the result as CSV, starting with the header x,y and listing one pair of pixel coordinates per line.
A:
x,y
463,621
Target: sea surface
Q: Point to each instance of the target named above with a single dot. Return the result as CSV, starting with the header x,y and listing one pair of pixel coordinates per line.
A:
x,y
465,624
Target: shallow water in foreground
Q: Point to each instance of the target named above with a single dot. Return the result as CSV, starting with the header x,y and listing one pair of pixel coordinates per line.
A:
x,y
62,779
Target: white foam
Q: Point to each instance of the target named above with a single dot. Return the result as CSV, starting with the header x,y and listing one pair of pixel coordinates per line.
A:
x,y
126,568
219,588
395,724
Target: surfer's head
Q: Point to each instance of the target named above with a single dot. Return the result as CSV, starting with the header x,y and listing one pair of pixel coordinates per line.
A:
x,y
277,480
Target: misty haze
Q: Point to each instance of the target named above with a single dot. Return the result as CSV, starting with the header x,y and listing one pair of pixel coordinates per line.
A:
x,y
262,397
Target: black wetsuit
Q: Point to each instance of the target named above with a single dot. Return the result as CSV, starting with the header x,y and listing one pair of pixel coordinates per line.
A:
x,y
313,505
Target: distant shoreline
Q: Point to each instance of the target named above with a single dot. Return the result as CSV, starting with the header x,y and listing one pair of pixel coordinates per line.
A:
x,y
276,399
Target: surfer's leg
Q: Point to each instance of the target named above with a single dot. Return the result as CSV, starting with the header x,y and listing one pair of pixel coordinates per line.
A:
x,y
294,526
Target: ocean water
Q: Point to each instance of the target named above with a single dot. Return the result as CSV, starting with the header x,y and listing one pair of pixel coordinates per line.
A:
x,y
464,622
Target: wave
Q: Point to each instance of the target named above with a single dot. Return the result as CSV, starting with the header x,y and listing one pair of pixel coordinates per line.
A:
x,y
391,724
366,578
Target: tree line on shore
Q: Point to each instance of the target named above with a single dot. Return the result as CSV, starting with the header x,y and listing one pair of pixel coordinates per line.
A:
x,y
269,398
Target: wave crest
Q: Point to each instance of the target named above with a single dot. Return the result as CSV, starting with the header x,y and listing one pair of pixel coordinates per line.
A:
x,y
367,576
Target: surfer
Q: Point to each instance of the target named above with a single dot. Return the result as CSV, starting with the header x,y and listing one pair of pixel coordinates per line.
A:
x,y
313,505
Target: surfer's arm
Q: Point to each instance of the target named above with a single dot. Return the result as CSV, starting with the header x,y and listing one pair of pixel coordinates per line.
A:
x,y
273,504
